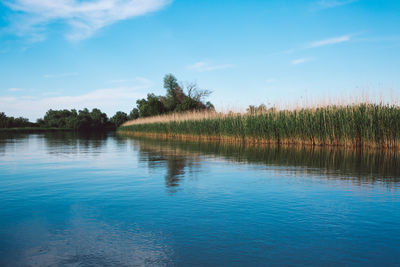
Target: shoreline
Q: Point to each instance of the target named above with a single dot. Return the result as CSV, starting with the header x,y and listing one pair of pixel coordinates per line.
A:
x,y
33,129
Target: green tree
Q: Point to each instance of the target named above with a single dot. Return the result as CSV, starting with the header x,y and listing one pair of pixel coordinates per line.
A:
x,y
134,114
189,104
151,106
59,119
83,120
175,94
98,119
209,106
119,118
71,121
3,120
11,122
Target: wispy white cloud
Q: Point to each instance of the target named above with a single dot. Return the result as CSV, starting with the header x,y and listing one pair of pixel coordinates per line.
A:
x,y
204,66
84,18
60,75
330,41
323,4
318,43
120,81
271,80
14,89
300,61
141,80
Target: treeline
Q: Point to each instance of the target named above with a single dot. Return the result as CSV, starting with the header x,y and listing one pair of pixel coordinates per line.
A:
x,y
82,120
175,100
11,122
77,120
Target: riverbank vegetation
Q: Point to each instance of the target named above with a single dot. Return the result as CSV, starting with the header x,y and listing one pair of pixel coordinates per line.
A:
x,y
82,120
76,120
363,124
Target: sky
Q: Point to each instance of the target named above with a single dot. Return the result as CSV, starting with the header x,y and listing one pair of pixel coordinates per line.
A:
x,y
106,54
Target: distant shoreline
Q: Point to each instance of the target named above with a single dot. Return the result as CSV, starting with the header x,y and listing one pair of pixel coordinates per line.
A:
x,y
38,129
34,129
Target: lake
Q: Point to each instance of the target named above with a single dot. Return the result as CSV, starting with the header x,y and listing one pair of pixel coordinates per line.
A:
x,y
69,199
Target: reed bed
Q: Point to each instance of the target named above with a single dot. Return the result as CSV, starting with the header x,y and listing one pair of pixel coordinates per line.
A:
x,y
372,125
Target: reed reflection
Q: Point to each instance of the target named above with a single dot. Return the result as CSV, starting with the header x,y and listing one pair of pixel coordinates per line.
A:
x,y
361,167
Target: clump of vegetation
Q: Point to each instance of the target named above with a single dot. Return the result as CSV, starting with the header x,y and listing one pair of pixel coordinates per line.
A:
x,y
351,125
11,122
82,120
253,110
175,100
119,118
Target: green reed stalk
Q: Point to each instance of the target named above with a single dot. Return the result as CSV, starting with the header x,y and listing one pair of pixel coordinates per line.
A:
x,y
351,125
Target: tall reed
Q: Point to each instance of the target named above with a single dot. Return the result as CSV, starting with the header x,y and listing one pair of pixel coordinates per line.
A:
x,y
348,125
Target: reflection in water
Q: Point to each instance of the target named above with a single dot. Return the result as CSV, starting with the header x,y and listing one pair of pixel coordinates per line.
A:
x,y
58,142
74,142
86,242
359,167
158,155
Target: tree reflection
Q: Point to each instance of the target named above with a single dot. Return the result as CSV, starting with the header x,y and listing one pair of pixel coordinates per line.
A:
x,y
176,162
70,142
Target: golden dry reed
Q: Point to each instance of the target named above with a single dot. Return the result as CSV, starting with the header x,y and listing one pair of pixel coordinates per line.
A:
x,y
192,115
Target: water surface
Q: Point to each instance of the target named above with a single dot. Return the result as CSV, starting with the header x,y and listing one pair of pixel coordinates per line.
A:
x,y
107,200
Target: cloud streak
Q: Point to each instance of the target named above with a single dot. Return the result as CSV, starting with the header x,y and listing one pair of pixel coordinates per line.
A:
x,y
83,18
330,41
14,89
324,4
141,80
318,43
60,75
300,61
204,66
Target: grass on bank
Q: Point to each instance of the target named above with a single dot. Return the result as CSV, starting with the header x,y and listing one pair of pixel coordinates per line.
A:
x,y
362,124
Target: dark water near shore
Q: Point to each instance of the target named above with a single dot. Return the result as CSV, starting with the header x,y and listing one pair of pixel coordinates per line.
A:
x,y
108,200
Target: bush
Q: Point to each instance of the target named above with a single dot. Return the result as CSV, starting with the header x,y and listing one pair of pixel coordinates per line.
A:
x,y
175,100
119,118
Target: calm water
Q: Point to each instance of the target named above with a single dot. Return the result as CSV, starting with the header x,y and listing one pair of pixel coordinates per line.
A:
x,y
107,200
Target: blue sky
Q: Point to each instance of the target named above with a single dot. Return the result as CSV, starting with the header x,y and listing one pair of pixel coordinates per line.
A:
x,y
108,53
